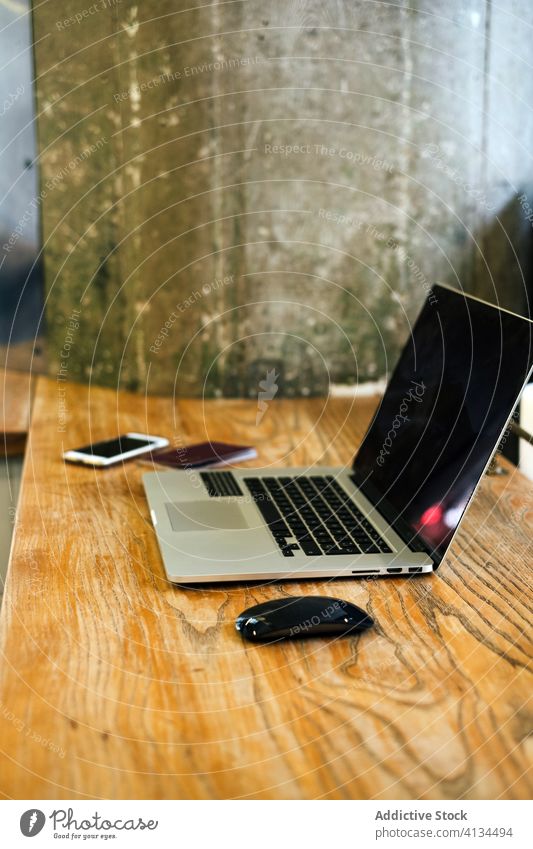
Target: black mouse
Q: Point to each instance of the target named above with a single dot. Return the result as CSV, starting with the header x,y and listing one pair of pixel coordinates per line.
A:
x,y
293,617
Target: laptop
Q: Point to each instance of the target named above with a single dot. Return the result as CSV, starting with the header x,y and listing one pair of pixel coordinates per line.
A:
x,y
396,510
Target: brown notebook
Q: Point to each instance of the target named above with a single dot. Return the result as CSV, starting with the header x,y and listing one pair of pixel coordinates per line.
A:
x,y
212,454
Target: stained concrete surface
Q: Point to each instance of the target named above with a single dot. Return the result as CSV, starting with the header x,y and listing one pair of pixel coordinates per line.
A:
x,y
244,186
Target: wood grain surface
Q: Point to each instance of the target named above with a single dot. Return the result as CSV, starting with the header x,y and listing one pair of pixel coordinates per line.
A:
x,y
16,390
115,684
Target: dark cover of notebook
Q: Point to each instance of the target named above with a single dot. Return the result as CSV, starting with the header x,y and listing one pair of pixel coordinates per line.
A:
x,y
212,454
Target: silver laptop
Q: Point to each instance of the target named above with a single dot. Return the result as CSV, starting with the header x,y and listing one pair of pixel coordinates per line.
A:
x,y
396,509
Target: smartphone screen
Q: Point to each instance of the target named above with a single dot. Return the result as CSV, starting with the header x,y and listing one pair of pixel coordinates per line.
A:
x,y
113,447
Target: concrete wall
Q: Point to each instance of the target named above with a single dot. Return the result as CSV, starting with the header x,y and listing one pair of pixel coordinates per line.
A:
x,y
21,276
248,186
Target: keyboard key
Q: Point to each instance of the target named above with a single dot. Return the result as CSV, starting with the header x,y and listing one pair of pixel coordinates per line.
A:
x,y
309,547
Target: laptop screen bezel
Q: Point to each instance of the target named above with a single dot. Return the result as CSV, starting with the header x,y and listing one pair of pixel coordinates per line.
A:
x,y
381,504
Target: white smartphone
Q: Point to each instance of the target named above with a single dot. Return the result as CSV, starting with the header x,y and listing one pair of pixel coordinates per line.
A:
x,y
115,450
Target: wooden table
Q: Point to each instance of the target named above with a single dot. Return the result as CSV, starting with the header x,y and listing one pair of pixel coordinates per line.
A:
x,y
115,684
16,389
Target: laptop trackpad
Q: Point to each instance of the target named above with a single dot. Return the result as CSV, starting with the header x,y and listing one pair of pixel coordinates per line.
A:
x,y
205,516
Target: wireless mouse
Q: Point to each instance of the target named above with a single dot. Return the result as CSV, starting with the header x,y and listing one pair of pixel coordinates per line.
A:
x,y
294,617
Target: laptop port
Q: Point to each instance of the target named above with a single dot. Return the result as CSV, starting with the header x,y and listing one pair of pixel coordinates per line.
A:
x,y
395,571
417,569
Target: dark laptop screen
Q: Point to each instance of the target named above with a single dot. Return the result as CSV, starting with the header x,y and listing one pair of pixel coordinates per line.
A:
x,y
450,396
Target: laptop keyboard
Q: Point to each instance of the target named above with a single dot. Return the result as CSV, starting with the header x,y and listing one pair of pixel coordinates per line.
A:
x,y
220,484
315,515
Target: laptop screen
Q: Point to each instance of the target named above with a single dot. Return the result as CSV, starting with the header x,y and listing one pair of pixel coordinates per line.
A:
x,y
448,400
